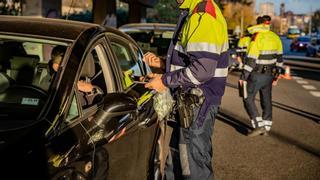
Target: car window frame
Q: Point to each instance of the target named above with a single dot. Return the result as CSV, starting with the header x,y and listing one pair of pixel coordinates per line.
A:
x,y
107,70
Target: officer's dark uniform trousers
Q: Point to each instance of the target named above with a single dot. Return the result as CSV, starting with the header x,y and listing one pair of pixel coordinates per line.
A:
x,y
259,82
195,148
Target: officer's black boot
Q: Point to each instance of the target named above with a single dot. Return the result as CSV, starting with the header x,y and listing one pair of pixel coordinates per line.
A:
x,y
257,131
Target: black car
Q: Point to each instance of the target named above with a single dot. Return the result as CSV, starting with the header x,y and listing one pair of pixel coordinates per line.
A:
x,y
52,130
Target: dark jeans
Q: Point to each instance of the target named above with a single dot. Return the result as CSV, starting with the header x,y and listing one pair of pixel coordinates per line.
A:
x,y
191,149
262,83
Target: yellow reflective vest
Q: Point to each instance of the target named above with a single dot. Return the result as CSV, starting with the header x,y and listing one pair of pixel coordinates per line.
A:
x,y
244,42
204,24
265,48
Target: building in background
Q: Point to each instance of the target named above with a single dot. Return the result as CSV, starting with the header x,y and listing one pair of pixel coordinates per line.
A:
x,y
286,19
267,8
290,19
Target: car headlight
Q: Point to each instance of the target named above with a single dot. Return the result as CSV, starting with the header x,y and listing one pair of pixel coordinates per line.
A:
x,y
300,44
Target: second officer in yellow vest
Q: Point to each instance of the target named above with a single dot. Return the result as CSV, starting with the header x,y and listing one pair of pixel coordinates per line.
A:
x,y
242,49
263,60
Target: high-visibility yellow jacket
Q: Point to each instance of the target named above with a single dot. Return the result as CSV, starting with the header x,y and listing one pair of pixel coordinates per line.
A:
x,y
265,49
200,58
244,42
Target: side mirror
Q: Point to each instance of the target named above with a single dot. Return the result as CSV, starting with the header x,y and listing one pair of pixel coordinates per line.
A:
x,y
115,105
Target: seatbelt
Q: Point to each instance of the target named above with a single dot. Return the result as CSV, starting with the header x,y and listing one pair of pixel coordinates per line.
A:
x,y
182,18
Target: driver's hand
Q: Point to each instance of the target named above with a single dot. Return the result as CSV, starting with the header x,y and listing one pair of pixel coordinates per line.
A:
x,y
84,86
152,60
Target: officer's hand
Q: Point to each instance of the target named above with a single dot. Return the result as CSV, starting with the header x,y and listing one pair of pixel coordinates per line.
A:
x,y
275,82
241,82
152,60
155,83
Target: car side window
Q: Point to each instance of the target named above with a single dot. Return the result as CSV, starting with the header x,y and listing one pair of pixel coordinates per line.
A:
x,y
128,60
73,111
93,83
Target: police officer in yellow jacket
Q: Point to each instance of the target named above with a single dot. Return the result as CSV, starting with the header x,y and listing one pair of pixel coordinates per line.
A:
x,y
197,61
264,58
243,45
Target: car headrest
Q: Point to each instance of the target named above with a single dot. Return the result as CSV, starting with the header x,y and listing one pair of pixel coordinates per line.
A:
x,y
18,62
22,68
4,82
88,69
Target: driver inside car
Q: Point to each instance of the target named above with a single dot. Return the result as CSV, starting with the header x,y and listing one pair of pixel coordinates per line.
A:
x,y
56,58
86,89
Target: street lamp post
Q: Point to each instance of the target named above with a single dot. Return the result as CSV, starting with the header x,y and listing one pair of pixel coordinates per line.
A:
x,y
241,24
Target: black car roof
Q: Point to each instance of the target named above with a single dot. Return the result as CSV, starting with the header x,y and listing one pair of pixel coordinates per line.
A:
x,y
57,28
148,27
54,28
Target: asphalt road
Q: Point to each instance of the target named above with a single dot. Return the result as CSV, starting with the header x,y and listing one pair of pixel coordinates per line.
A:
x,y
291,151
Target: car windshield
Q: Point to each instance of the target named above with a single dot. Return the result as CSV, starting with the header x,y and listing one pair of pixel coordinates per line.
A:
x,y
154,41
293,31
25,75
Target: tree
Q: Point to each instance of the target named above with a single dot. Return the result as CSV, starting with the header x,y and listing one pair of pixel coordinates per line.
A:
x,y
233,12
167,11
316,19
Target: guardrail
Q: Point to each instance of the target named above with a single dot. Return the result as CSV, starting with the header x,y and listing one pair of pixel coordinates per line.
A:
x,y
301,61
301,58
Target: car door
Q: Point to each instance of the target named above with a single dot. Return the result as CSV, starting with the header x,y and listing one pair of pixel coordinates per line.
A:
x,y
75,143
132,149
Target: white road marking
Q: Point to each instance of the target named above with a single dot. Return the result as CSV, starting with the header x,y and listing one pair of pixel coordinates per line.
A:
x,y
315,93
297,77
309,87
302,82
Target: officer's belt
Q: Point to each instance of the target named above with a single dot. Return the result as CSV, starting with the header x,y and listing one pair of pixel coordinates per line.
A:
x,y
268,56
263,68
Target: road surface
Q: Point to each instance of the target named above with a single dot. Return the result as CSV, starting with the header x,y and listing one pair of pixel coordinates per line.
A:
x,y
291,151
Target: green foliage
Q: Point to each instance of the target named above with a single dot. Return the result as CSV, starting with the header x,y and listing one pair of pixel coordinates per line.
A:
x,y
167,11
82,16
316,19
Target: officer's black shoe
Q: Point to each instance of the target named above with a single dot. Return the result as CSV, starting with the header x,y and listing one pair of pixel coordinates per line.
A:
x,y
257,132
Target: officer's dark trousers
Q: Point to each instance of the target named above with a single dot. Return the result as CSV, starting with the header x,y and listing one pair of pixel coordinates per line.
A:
x,y
262,83
191,149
